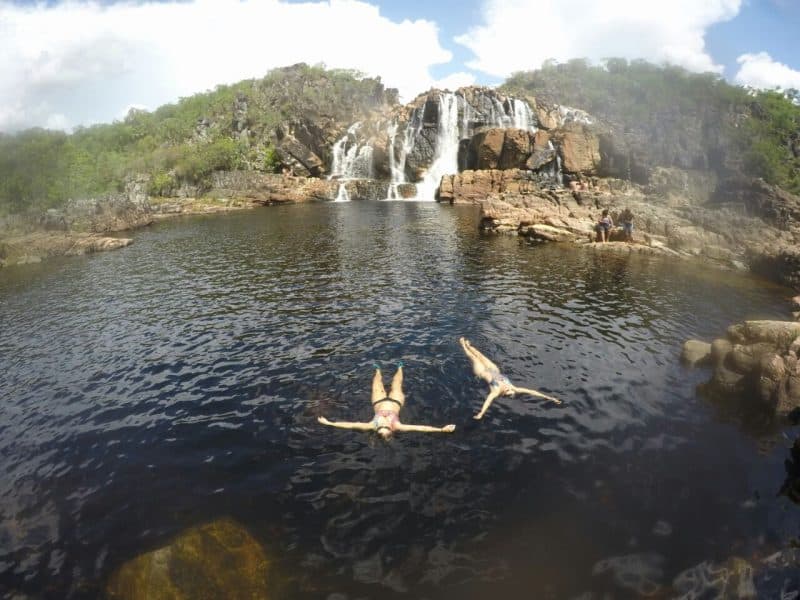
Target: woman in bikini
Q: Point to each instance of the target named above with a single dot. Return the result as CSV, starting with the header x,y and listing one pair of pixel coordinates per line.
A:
x,y
387,410
499,384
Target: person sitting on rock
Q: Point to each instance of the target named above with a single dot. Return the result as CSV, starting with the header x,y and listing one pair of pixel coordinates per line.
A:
x,y
604,226
387,410
626,220
499,384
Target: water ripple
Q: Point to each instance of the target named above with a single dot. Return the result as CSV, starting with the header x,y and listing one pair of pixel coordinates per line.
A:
x,y
149,389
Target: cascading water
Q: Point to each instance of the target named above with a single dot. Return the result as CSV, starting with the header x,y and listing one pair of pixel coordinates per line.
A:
x,y
557,175
522,115
445,159
455,123
397,165
350,161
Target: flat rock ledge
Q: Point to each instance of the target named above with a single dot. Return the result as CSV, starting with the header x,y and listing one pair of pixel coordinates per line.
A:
x,y
34,247
756,362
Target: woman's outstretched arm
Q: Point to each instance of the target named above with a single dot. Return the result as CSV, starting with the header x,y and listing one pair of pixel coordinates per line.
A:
x,y
487,403
520,390
425,428
346,424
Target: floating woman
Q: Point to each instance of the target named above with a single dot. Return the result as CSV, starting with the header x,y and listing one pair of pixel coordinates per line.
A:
x,y
387,410
499,384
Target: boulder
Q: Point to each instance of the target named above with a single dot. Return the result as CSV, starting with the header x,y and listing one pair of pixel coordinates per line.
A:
x,y
299,157
547,233
779,333
517,147
471,187
720,348
579,148
540,158
745,359
217,560
487,147
696,353
548,116
771,375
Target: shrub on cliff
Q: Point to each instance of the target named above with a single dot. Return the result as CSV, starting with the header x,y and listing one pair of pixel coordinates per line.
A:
x,y
229,127
669,116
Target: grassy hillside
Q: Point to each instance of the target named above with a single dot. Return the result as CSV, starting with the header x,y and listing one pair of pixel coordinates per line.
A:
x,y
181,142
672,117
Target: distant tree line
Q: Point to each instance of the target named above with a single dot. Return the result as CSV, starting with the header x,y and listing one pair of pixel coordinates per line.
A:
x,y
178,143
758,130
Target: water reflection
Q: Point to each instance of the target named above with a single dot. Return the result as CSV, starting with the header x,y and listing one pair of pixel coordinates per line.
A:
x,y
151,389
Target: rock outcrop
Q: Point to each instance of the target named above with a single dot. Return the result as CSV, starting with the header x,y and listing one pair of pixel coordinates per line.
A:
x,y
114,212
35,247
217,560
678,213
270,188
579,147
757,362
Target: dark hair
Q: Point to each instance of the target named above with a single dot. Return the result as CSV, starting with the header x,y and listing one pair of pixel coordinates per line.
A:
x,y
605,212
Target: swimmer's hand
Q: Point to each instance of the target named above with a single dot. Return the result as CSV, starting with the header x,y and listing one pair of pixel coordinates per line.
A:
x,y
323,420
449,428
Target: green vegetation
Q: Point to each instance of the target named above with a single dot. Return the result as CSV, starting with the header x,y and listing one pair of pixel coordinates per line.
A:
x,y
674,117
181,143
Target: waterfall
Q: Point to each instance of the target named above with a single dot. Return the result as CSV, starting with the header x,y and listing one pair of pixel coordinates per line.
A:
x,y
556,175
342,195
445,158
351,160
522,115
340,152
499,117
397,165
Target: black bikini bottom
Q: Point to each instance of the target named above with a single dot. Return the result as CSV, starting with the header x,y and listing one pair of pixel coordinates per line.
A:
x,y
400,404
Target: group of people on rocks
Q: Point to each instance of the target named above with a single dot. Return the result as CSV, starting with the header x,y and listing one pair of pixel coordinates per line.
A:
x,y
605,225
387,406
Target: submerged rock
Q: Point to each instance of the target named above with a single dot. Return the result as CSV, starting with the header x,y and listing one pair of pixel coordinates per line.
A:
x,y
216,560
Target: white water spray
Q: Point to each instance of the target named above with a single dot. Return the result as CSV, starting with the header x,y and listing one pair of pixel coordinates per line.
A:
x,y
445,159
397,165
350,161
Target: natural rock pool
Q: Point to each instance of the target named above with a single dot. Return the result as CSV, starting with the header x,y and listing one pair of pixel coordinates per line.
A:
x,y
178,381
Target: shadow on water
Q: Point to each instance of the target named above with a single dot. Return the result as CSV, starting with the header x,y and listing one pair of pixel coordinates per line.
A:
x,y
180,380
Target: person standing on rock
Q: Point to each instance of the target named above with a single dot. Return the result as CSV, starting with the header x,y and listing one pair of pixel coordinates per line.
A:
x,y
387,410
626,220
604,226
499,384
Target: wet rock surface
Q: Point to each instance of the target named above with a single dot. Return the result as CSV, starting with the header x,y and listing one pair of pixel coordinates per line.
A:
x,y
216,560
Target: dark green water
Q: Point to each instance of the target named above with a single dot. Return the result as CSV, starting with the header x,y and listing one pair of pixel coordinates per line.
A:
x,y
178,380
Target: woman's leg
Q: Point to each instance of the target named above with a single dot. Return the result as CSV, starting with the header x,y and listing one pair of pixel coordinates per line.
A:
x,y
521,390
478,365
482,357
378,391
396,393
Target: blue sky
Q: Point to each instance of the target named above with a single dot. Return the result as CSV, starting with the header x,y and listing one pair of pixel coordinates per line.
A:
x,y
78,62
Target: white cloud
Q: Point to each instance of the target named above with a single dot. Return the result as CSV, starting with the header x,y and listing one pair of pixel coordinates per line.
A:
x,y
519,35
454,81
82,62
762,71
